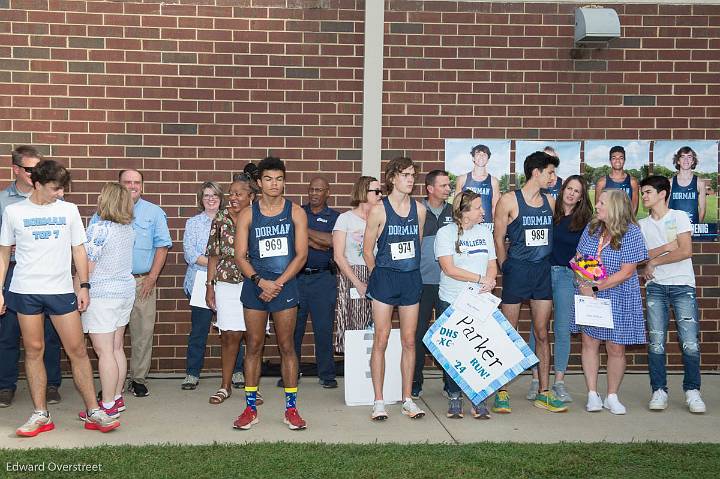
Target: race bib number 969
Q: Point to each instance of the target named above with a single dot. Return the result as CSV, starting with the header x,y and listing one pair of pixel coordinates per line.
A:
x,y
403,250
271,247
536,237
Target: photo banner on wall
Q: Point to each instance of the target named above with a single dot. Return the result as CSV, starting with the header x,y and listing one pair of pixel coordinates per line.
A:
x,y
567,151
479,165
692,168
602,174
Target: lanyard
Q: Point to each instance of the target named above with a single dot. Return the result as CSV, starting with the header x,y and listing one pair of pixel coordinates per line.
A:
x,y
601,245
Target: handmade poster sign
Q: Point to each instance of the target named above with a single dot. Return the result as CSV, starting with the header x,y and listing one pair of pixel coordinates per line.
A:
x,y
477,346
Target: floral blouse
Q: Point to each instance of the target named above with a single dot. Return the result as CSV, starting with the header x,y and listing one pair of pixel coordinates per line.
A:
x,y
222,244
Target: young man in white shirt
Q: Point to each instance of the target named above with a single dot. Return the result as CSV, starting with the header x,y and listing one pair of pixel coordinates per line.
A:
x,y
670,283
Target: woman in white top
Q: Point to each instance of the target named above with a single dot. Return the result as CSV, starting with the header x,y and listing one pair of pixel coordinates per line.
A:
x,y
109,249
353,310
466,253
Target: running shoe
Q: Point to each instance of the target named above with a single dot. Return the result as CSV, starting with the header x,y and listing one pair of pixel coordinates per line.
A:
x,y
40,421
112,411
614,405
480,411
293,419
52,395
379,413
238,380
98,420
247,419
455,407
190,383
410,409
501,405
533,390
547,400
416,390
120,404
561,392
594,402
138,390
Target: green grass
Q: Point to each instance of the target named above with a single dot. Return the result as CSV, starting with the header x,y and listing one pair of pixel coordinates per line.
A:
x,y
285,460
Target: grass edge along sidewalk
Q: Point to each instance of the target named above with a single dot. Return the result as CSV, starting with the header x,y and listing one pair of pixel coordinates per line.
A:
x,y
309,460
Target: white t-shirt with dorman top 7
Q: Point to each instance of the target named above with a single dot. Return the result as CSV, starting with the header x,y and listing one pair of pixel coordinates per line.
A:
x,y
43,236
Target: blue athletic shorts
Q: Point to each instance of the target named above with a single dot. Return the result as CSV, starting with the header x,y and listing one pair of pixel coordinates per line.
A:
x,y
398,288
52,304
289,296
523,280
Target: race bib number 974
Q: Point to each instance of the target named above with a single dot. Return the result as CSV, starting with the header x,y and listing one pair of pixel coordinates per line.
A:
x,y
271,247
537,237
403,250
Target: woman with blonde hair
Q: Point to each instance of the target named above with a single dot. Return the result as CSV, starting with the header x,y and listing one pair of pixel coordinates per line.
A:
x,y
353,310
614,236
112,290
466,252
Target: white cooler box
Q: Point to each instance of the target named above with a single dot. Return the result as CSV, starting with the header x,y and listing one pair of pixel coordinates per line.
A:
x,y
358,383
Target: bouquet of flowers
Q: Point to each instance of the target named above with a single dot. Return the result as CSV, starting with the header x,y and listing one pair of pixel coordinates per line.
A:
x,y
588,268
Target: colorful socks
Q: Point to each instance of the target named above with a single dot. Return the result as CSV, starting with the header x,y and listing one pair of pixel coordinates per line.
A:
x,y
251,397
290,397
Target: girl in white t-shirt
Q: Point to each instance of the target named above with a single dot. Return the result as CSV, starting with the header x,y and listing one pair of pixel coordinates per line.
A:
x,y
466,253
353,310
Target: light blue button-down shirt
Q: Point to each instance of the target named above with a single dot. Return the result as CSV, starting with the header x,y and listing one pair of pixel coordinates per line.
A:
x,y
195,240
9,196
151,232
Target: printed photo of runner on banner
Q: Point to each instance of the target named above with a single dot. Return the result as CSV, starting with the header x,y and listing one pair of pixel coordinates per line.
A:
x,y
692,167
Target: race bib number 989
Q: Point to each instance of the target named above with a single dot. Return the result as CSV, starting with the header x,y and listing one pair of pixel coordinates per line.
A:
x,y
536,237
271,247
403,250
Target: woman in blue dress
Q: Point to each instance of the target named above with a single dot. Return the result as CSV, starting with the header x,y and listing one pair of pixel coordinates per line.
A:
x,y
614,236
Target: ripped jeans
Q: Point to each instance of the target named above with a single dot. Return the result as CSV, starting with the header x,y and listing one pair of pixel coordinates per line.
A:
x,y
684,303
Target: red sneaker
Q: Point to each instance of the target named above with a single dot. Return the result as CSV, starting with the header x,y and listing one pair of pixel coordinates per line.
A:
x,y
37,423
98,420
247,419
120,404
293,419
113,411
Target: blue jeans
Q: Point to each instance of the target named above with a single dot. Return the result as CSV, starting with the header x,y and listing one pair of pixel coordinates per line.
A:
x,y
563,290
197,341
449,384
318,293
682,299
10,347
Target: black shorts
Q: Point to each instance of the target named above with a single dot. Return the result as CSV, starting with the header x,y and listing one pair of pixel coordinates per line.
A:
x,y
51,304
523,280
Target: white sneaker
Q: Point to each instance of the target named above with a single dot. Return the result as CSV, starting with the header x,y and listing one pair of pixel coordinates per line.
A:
x,y
658,401
410,409
694,401
378,412
614,405
594,402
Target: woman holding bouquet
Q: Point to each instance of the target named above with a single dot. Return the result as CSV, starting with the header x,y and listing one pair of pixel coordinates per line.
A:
x,y
466,252
614,237
572,214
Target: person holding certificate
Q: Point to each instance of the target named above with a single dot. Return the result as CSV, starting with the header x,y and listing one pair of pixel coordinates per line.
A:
x,y
195,238
466,253
614,237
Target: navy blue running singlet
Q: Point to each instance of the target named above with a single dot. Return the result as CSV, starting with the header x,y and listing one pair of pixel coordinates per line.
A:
x,y
399,242
530,233
271,242
624,185
685,198
484,189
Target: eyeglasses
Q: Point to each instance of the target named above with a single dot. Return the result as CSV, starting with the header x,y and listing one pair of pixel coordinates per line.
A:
x,y
377,192
28,169
210,197
316,190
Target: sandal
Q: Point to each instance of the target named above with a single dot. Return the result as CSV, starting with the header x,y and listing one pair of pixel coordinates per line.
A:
x,y
220,396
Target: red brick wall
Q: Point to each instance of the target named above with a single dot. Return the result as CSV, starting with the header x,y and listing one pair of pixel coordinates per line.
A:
x,y
191,92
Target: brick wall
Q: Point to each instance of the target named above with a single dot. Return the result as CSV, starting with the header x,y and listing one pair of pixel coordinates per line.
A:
x,y
190,92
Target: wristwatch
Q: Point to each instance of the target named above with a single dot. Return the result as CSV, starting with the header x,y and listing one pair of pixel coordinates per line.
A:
x,y
595,289
211,282
85,285
255,278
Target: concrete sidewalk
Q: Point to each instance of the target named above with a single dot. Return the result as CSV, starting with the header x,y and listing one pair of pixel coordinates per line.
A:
x,y
171,415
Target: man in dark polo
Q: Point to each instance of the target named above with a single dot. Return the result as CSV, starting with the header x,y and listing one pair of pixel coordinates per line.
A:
x,y
317,282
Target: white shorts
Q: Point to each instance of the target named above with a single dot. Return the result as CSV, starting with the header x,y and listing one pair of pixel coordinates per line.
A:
x,y
106,315
230,315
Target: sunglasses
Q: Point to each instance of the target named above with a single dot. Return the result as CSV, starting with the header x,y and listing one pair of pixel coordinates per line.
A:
x,y
28,169
377,192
